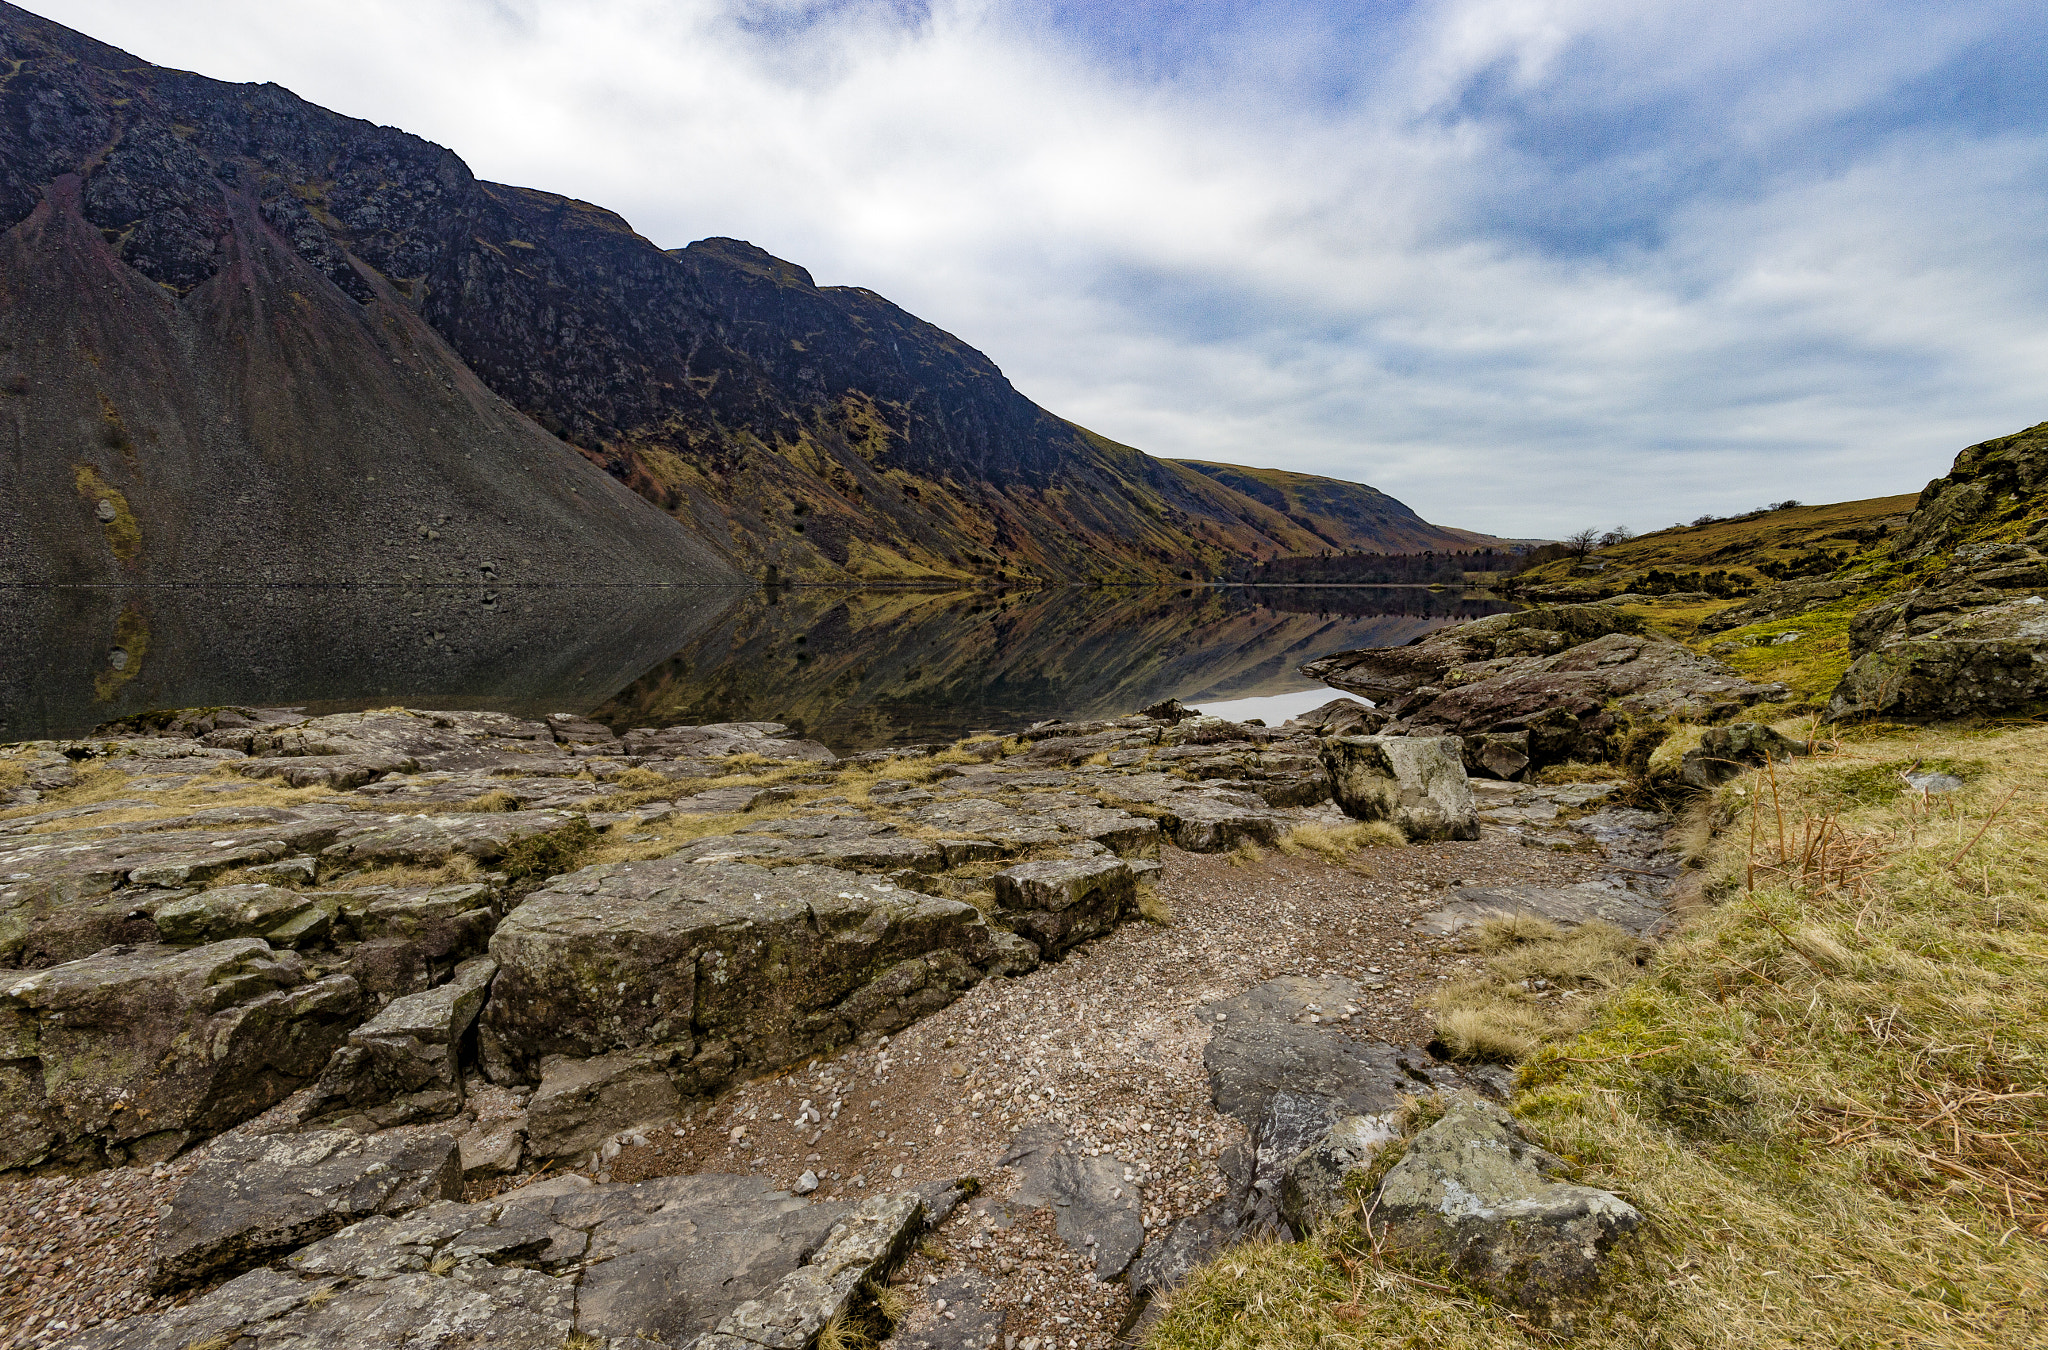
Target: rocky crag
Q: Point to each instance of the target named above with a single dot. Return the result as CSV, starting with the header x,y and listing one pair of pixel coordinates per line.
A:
x,y
362,921
220,294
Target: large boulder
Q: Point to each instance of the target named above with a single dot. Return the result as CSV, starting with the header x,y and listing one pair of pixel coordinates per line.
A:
x,y
727,965
1416,782
405,1063
582,1101
1386,674
1059,902
1988,660
1473,1194
256,1199
134,1053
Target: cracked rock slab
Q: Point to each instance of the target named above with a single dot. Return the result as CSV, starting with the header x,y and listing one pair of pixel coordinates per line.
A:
x,y
256,1199
1095,1211
1570,906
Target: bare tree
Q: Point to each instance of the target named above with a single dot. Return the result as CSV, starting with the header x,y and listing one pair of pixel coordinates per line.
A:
x,y
1620,534
1582,543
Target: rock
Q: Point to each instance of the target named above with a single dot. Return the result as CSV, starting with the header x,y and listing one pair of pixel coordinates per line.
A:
x,y
1191,1242
1339,717
1724,752
805,1184
1289,1080
1121,832
830,841
1988,660
976,1321
230,912
1315,1188
1059,903
1566,676
493,1148
404,1064
259,1198
1472,1193
867,1241
135,1052
431,841
580,1102
1218,821
722,739
1496,754
726,964
1087,1196
1418,783
411,938
676,1261
1569,906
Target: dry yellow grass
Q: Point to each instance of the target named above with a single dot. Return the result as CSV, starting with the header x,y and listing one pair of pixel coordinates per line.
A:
x,y
1338,842
1829,1092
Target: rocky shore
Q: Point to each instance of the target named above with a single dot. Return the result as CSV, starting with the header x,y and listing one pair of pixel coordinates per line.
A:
x,y
409,1025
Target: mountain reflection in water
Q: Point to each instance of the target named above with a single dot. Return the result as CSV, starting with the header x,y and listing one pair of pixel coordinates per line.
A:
x,y
858,669
870,669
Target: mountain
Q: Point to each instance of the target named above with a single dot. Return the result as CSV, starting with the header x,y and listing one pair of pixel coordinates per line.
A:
x,y
349,296
186,397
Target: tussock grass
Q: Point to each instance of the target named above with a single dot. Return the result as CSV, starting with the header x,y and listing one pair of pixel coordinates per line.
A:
x,y
1245,855
459,870
1574,772
1828,1094
1338,842
1539,982
1154,907
106,780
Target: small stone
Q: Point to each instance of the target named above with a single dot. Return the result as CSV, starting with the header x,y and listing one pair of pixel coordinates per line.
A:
x,y
805,1184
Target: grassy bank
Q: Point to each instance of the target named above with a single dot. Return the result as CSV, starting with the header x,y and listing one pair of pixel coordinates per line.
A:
x,y
1828,1092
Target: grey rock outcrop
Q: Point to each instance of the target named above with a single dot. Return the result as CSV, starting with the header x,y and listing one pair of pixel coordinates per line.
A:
x,y
1416,782
1988,660
1094,1211
1058,903
1316,1187
1473,1193
703,1260
1726,752
404,1064
134,1053
727,965
580,1102
1557,681
260,1198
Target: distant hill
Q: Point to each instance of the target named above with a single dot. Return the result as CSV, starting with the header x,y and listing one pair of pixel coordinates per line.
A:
x,y
1340,515
1722,558
348,295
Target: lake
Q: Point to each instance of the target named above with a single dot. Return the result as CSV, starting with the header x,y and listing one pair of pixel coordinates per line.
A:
x,y
857,669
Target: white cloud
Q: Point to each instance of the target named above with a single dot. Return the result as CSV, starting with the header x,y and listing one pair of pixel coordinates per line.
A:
x,y
1525,265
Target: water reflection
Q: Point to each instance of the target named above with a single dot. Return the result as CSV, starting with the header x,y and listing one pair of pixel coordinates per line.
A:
x,y
868,669
857,669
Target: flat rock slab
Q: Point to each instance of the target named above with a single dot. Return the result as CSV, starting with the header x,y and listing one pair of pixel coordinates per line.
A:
x,y
1096,1212
1570,906
564,792
135,1052
975,1323
430,841
260,1198
829,841
709,1260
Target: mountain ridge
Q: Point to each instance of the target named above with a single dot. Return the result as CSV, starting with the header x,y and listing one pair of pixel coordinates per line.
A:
x,y
806,432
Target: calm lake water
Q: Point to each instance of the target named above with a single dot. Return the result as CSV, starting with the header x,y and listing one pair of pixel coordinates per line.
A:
x,y
857,669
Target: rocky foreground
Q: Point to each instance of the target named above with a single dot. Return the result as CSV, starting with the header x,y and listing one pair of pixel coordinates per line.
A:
x,y
444,1028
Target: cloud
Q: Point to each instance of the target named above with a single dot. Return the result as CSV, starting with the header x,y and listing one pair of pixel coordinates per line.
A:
x,y
1525,265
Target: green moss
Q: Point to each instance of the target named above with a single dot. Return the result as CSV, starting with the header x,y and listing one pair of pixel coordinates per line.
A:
x,y
124,536
131,638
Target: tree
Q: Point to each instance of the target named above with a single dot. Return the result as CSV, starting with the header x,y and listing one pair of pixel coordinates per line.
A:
x,y
1582,543
1620,534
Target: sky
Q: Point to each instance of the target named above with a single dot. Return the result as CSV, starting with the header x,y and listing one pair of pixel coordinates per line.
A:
x,y
1528,266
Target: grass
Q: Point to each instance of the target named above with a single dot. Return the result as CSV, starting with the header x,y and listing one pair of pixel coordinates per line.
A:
x,y
1538,983
1828,1092
1337,843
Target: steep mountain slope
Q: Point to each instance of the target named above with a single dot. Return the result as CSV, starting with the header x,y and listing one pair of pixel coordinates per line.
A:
x,y
814,431
186,399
